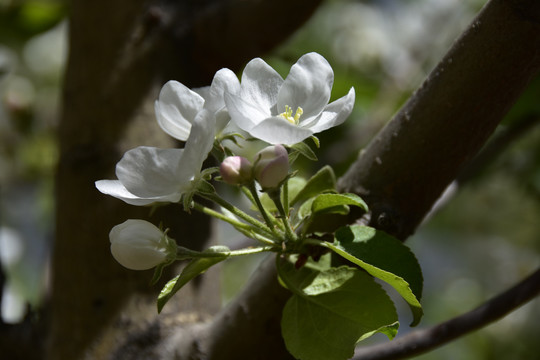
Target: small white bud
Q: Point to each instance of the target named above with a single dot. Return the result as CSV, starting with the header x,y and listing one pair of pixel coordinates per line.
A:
x,y
140,245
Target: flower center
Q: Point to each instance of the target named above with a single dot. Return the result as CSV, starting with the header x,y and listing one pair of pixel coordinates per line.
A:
x,y
287,115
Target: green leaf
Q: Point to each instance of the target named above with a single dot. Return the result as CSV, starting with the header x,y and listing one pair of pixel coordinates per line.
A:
x,y
193,268
305,209
330,311
324,202
158,271
323,180
316,141
204,187
384,257
303,149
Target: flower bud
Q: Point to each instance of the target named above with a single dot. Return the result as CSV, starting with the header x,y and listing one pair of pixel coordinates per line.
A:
x,y
235,170
272,166
139,245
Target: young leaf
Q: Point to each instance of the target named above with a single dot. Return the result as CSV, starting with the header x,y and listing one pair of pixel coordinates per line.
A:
x,y
193,268
330,311
384,257
323,180
324,202
304,149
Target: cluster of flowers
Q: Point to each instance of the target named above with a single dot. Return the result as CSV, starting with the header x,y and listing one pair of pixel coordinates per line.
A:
x,y
262,106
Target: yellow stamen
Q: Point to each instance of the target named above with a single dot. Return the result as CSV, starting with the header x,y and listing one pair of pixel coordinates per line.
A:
x,y
287,115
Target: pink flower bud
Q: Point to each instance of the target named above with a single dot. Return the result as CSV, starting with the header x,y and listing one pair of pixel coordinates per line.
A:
x,y
235,170
272,166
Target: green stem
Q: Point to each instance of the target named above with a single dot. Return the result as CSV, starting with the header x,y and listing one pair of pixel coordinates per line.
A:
x,y
208,211
184,253
262,209
315,242
248,230
239,213
264,239
286,196
276,198
248,194
246,190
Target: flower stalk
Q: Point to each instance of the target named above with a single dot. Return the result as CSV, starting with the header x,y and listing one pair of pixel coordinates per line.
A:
x,y
183,253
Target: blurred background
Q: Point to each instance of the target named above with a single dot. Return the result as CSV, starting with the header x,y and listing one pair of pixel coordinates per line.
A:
x,y
483,239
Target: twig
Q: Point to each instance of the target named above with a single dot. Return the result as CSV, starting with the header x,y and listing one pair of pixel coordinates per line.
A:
x,y
422,341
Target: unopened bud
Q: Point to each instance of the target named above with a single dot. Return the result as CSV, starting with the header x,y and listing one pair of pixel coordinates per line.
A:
x,y
235,170
139,245
272,166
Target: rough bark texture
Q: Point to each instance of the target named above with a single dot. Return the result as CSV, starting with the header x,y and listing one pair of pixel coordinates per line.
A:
x,y
121,52
449,118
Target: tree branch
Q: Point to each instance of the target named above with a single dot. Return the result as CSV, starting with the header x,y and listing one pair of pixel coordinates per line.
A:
x,y
255,314
448,119
422,341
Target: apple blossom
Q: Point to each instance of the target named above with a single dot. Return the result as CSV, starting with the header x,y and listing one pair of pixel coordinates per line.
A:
x,y
139,245
271,166
148,174
177,106
236,170
287,111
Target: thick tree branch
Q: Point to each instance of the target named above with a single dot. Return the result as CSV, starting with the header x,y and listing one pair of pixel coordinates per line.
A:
x,y
422,341
255,314
448,119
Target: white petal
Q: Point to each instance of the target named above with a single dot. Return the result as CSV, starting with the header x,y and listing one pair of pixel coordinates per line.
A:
x,y
222,120
137,244
260,85
224,81
308,85
143,230
117,190
276,130
149,172
198,145
334,114
257,98
244,114
176,108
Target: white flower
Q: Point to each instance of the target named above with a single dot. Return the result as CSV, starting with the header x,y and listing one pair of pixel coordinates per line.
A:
x,y
288,111
139,245
148,174
177,105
